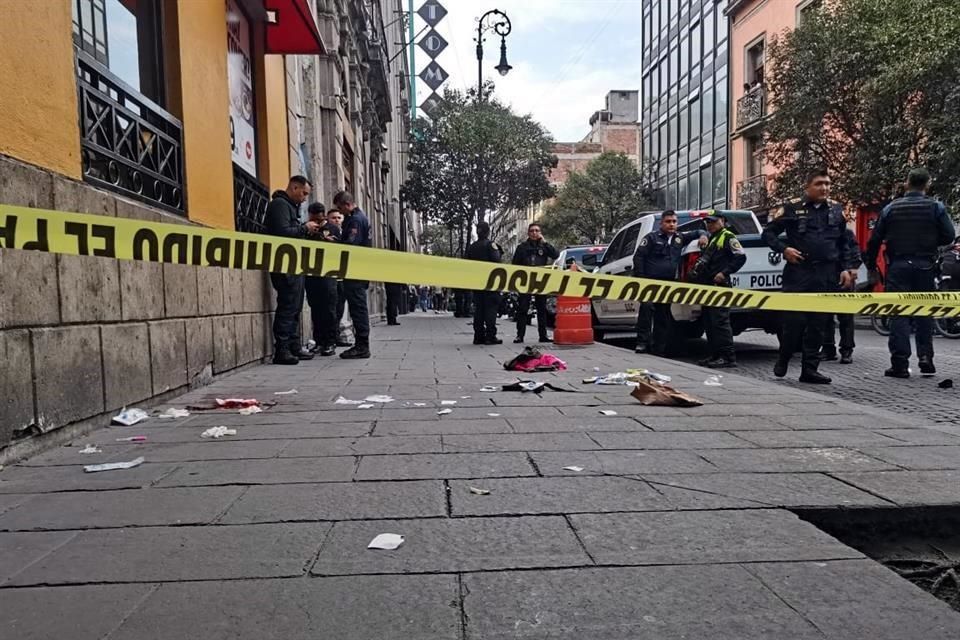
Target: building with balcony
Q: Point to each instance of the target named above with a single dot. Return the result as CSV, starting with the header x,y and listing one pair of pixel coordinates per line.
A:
x,y
752,25
683,106
179,111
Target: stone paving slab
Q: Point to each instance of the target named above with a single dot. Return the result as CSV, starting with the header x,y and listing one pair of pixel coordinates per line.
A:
x,y
447,465
78,613
858,599
381,445
594,422
634,410
518,442
11,500
671,440
815,438
909,487
20,479
220,449
289,470
354,608
338,501
123,508
700,537
451,545
784,460
719,602
233,419
620,462
154,554
719,490
918,458
19,550
438,427
932,435
712,423
812,420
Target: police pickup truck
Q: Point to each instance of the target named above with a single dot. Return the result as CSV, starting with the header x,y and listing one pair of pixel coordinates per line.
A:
x,y
762,271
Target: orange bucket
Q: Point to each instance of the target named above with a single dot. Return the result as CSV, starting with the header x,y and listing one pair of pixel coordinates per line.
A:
x,y
574,321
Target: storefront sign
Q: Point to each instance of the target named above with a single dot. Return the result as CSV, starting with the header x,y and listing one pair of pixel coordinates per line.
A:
x,y
243,144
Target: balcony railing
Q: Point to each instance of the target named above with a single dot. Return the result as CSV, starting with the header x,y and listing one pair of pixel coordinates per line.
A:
x,y
751,107
250,199
129,144
752,192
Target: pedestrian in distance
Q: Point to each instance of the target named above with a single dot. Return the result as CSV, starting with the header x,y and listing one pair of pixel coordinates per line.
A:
x,y
533,252
658,258
283,219
485,303
913,228
722,256
828,350
816,250
355,232
322,291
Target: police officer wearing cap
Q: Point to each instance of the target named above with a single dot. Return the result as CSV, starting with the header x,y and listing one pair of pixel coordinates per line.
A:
x,y
816,250
658,258
914,228
485,303
722,256
534,252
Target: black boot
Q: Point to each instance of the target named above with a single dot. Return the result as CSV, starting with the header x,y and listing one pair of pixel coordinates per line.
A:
x,y
896,372
283,355
828,354
721,362
846,357
780,368
812,376
328,350
358,352
926,365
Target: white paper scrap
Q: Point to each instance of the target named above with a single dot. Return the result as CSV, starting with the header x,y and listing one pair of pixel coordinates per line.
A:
x,y
364,406
249,411
607,412
444,412
479,492
174,413
285,393
489,388
91,449
379,398
713,381
386,541
573,468
494,415
112,466
448,402
342,400
218,432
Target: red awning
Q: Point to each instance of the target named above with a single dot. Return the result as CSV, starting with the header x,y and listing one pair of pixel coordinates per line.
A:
x,y
291,28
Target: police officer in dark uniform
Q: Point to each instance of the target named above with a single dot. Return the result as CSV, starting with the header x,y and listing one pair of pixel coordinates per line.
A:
x,y
828,351
658,258
485,303
816,250
533,252
322,292
282,218
914,228
722,256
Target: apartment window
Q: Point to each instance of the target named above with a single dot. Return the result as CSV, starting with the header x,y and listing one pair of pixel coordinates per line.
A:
x,y
654,143
720,181
671,196
720,90
756,58
693,191
708,35
707,111
720,22
754,150
674,69
696,52
125,37
684,57
663,142
694,120
805,8
683,130
706,187
682,194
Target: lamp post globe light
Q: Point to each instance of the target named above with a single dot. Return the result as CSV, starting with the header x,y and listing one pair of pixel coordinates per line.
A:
x,y
499,23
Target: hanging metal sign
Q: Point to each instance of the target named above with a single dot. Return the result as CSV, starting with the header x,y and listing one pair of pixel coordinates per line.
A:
x,y
434,75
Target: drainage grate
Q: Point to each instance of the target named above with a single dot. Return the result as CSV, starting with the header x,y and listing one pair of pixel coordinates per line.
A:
x,y
921,544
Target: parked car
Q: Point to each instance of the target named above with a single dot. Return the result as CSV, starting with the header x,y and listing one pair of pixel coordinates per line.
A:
x,y
762,271
587,258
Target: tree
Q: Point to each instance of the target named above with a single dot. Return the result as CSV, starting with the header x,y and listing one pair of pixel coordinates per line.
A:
x,y
867,89
592,205
472,158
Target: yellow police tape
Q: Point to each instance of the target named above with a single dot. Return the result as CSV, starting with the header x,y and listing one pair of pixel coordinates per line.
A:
x,y
90,235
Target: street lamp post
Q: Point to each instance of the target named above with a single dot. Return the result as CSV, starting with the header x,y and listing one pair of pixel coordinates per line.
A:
x,y
499,22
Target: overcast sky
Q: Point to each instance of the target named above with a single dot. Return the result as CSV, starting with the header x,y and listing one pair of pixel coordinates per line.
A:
x,y
566,55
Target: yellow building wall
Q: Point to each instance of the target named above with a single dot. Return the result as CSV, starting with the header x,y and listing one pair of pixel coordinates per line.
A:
x,y
206,111
273,122
38,89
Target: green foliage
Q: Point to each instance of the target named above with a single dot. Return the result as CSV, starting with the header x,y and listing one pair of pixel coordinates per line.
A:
x,y
473,158
592,205
868,89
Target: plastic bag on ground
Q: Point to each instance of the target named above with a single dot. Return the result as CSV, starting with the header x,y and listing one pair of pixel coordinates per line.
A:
x,y
129,417
218,432
174,413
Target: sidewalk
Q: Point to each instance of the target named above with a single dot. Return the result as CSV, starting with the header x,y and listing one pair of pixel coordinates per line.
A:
x,y
677,527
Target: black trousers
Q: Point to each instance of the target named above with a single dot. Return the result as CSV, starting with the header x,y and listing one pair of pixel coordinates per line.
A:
x,y
355,292
654,326
286,320
485,305
803,331
847,330
341,302
461,303
904,275
523,307
322,297
394,296
719,332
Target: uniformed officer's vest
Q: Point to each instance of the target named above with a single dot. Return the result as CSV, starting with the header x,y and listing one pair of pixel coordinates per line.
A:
x,y
912,228
703,268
